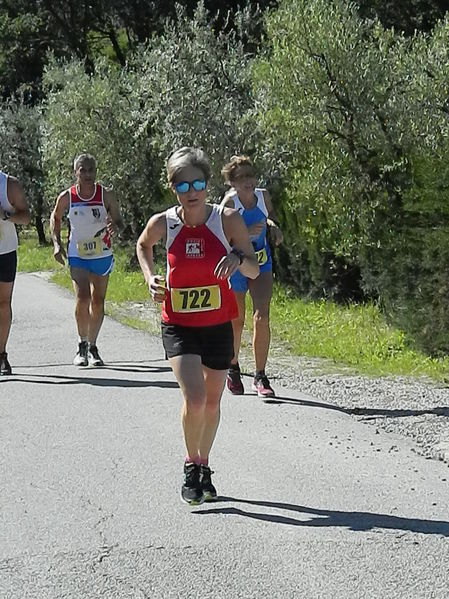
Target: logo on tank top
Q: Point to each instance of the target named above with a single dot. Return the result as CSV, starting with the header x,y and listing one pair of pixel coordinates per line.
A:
x,y
96,212
194,248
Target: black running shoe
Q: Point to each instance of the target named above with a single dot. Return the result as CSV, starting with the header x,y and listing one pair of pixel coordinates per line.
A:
x,y
81,358
234,381
5,366
209,491
94,357
191,491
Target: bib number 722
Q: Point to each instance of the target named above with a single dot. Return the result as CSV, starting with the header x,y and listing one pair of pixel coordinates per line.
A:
x,y
196,299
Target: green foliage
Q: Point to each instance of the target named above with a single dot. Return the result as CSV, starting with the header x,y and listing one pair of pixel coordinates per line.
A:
x,y
352,335
87,29
357,115
20,152
99,114
195,88
346,119
20,63
131,119
404,15
32,257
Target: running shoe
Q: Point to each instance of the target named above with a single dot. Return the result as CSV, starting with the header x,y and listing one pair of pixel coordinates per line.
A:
x,y
191,491
234,381
262,386
81,358
209,491
5,366
94,357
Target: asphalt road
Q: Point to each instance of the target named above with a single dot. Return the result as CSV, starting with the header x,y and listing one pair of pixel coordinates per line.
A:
x,y
313,503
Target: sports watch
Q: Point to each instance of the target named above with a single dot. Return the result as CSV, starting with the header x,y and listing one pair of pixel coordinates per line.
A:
x,y
240,255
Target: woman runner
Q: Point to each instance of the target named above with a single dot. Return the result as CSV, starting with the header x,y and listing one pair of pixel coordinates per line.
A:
x,y
205,245
254,204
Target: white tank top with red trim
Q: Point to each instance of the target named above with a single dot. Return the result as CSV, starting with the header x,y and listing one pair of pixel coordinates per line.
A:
x,y
89,237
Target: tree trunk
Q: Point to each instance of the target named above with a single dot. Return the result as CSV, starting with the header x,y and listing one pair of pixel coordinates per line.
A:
x,y
40,230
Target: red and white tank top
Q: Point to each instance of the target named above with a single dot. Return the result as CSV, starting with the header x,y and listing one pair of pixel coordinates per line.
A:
x,y
89,237
194,296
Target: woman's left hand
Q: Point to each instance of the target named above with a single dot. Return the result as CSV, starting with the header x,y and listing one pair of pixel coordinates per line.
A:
x,y
110,225
275,234
227,266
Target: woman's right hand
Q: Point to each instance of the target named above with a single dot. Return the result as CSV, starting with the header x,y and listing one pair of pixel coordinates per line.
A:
x,y
156,287
59,254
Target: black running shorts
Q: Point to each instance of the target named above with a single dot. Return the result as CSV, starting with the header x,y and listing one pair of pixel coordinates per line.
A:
x,y
8,267
214,344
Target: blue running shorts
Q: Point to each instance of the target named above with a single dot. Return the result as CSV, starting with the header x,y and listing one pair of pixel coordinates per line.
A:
x,y
97,266
240,282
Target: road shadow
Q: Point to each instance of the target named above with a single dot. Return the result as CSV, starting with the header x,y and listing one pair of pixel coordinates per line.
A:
x,y
134,366
394,413
154,369
42,379
355,521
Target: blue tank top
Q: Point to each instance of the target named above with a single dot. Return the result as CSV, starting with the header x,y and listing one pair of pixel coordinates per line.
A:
x,y
253,215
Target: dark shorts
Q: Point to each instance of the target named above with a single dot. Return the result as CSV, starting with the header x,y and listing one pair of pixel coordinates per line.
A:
x,y
8,267
214,344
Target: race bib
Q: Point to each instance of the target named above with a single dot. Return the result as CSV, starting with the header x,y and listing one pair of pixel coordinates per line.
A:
x,y
90,247
196,299
262,257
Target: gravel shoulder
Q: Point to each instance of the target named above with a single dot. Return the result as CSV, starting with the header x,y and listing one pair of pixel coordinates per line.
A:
x,y
415,408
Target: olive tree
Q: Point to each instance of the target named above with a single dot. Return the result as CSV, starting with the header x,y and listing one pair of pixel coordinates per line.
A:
x,y
188,86
20,154
195,87
100,114
356,118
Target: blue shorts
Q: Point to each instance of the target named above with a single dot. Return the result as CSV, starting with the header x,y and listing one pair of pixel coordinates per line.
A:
x,y
239,283
97,266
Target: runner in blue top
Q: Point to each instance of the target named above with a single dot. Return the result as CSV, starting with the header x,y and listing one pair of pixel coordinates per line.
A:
x,y
254,204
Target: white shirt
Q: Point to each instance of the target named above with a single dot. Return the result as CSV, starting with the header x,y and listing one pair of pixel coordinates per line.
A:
x,y
8,235
89,237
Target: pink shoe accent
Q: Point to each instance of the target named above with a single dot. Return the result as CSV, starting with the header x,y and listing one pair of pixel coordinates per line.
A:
x,y
262,387
234,382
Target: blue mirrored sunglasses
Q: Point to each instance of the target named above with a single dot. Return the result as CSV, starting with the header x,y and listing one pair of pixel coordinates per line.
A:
x,y
184,186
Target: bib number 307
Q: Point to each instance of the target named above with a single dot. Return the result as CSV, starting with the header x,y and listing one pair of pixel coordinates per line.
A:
x,y
196,299
90,247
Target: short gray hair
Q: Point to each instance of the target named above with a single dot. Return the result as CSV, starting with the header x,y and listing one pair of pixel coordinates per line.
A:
x,y
184,157
83,157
